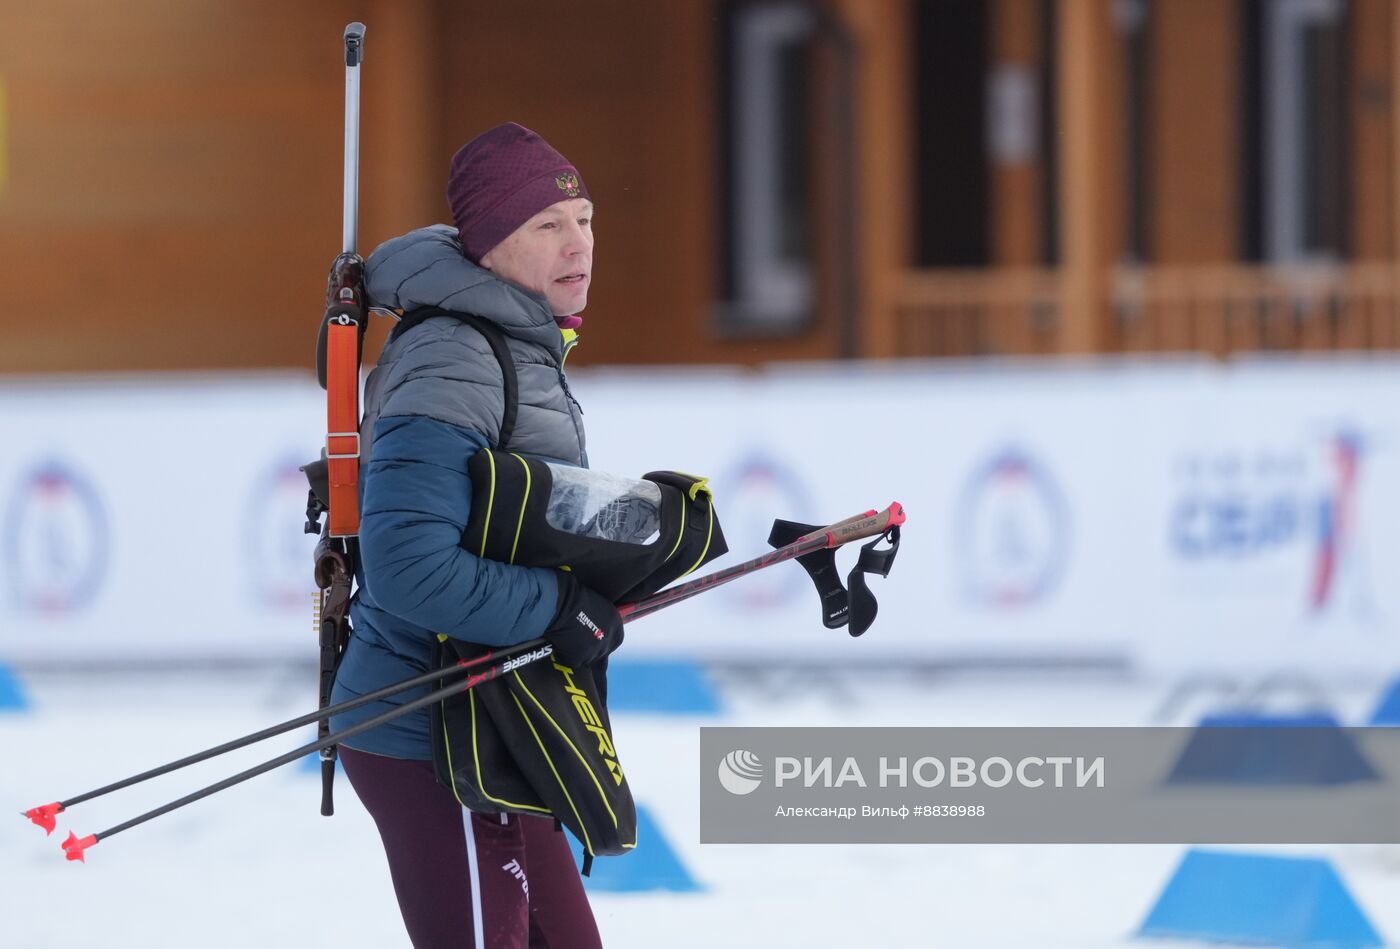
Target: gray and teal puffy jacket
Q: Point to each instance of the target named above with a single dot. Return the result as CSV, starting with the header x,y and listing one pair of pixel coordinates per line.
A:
x,y
435,398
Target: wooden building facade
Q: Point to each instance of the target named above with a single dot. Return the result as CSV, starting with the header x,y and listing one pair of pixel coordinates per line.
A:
x,y
775,179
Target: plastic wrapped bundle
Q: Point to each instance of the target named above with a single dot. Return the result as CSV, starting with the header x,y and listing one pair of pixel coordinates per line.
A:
x,y
626,538
603,506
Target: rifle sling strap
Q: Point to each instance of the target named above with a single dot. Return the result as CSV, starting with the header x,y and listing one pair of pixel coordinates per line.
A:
x,y
496,339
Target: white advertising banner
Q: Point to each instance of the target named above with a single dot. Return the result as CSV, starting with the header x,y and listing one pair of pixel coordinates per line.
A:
x,y
157,519
1175,515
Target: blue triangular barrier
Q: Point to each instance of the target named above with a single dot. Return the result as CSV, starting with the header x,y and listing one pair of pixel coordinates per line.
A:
x,y
1388,708
1259,899
1254,748
654,865
12,696
660,686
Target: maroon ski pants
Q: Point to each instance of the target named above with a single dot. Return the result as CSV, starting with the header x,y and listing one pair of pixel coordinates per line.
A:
x,y
465,880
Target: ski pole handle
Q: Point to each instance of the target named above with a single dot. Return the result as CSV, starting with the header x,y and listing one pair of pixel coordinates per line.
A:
x,y
821,532
852,528
871,525
354,55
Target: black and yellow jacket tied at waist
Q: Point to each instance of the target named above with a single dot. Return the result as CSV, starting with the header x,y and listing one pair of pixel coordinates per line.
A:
x,y
538,739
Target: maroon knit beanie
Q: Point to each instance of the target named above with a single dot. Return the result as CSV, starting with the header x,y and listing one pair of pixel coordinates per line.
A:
x,y
501,179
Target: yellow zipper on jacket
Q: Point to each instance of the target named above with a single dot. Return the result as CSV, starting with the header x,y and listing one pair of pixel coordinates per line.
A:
x,y
570,341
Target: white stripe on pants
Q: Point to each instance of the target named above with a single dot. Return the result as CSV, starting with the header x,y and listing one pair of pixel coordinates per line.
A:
x,y
478,933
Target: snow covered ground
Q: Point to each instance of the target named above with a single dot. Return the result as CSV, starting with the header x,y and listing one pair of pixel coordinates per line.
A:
x,y
257,865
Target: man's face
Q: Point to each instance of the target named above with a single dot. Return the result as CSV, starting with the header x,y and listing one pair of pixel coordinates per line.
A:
x,y
552,253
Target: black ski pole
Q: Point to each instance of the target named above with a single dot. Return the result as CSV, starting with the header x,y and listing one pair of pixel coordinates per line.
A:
x,y
853,528
75,846
861,526
44,815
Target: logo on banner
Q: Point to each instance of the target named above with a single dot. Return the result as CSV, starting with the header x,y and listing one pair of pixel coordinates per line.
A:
x,y
762,489
278,550
1012,532
1270,519
741,772
56,540
1334,550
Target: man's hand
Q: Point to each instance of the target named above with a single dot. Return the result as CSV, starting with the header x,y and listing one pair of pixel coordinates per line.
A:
x,y
586,626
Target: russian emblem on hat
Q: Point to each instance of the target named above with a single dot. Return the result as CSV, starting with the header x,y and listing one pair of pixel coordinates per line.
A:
x,y
567,184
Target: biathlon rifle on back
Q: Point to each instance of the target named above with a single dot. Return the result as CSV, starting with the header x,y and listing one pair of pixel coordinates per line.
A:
x,y
335,477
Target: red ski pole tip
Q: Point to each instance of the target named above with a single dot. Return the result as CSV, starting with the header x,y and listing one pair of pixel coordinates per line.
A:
x,y
45,816
73,847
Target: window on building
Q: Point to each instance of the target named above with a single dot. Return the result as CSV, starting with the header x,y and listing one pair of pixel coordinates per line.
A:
x,y
766,53
1049,125
1133,20
1295,155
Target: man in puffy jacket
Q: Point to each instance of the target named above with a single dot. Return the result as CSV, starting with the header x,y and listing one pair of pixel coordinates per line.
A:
x,y
521,255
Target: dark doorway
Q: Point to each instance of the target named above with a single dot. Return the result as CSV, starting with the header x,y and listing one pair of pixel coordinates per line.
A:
x,y
951,179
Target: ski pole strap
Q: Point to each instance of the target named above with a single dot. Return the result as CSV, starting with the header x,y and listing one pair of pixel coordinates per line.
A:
x,y
495,338
857,607
820,566
863,605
